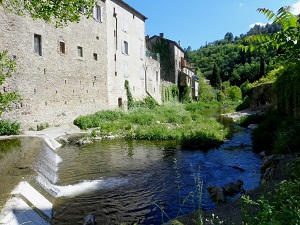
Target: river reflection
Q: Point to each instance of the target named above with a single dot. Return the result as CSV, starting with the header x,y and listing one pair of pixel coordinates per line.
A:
x,y
146,182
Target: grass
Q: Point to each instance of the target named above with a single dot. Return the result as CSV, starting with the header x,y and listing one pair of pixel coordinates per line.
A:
x,y
172,121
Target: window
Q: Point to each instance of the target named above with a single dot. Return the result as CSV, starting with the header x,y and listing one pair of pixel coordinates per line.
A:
x,y
142,52
62,47
142,73
125,25
125,47
95,56
80,51
38,44
98,13
156,76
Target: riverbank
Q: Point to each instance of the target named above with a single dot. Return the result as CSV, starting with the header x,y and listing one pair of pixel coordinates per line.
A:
x,y
27,204
233,212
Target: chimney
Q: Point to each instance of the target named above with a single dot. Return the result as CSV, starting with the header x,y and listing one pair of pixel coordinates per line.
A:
x,y
147,37
161,35
179,42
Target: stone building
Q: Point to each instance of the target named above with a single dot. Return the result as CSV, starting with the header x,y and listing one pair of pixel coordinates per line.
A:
x,y
79,69
126,55
174,68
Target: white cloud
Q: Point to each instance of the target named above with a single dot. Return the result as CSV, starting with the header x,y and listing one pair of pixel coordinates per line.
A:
x,y
296,8
257,23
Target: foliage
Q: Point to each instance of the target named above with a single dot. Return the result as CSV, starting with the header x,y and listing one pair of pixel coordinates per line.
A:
x,y
57,12
9,128
130,102
206,91
215,79
264,136
235,65
185,96
7,67
287,89
170,93
42,126
245,121
167,122
277,134
285,42
287,138
244,105
234,93
282,207
150,102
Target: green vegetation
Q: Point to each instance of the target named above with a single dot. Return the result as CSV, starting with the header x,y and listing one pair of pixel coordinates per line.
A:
x,y
42,126
9,128
282,206
56,12
172,121
170,94
130,101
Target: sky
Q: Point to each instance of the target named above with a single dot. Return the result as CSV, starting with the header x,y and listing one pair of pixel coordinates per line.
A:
x,y
195,22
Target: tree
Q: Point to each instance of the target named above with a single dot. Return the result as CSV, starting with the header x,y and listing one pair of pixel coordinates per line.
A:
x,y
285,41
215,79
7,67
228,36
59,12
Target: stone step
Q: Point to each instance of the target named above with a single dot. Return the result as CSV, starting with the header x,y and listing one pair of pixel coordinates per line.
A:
x,y
34,197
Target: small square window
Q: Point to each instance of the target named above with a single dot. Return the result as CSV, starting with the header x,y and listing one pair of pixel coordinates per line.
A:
x,y
80,51
95,56
62,47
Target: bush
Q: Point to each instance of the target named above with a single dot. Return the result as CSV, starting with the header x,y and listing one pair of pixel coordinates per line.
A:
x,y
244,105
283,206
234,93
9,128
245,121
264,136
287,137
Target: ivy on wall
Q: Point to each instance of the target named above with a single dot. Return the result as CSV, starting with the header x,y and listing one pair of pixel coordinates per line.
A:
x,y
130,102
170,93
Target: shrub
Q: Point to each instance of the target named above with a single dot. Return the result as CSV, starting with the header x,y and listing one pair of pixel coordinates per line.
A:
x,y
234,93
150,102
244,105
287,137
245,121
9,128
264,136
42,126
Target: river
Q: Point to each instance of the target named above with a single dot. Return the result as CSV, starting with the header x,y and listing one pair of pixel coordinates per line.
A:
x,y
121,181
147,182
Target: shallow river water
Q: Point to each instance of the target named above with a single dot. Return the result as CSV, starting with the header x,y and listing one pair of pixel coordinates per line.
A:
x,y
146,182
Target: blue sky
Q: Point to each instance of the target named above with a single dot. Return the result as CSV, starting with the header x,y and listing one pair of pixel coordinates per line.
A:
x,y
194,22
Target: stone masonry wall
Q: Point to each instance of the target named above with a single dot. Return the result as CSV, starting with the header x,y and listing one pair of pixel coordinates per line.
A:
x,y
56,87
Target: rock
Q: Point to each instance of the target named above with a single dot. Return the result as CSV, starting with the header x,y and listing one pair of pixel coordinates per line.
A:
x,y
84,141
219,194
216,194
268,161
237,168
231,189
90,219
253,126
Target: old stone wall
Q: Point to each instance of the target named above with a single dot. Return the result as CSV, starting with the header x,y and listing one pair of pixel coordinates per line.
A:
x,y
56,85
126,54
